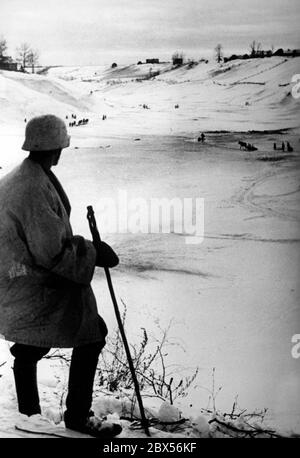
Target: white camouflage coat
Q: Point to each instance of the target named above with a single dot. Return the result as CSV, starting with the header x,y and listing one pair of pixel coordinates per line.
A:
x,y
45,272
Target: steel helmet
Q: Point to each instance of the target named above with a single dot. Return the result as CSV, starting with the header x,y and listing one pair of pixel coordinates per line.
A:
x,y
46,133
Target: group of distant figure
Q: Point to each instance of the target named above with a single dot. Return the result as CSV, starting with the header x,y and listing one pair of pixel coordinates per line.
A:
x,y
74,123
201,138
289,148
145,106
81,122
247,146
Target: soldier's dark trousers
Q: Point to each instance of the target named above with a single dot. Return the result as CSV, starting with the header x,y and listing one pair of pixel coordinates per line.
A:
x,y
81,379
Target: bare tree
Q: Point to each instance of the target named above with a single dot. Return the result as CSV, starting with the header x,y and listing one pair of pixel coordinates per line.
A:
x,y
26,55
219,52
258,48
253,48
3,46
177,58
33,58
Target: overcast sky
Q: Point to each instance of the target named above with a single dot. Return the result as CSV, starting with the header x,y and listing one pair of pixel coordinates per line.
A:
x,y
84,32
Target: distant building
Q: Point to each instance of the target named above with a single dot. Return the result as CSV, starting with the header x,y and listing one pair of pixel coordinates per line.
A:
x,y
292,52
279,52
6,63
262,53
152,61
287,52
177,60
234,57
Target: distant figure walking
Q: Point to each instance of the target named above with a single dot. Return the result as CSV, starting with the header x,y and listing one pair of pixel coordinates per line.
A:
x,y
25,120
242,144
104,117
289,147
274,146
283,146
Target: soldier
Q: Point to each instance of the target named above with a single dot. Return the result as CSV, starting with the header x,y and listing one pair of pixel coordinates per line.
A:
x,y
45,273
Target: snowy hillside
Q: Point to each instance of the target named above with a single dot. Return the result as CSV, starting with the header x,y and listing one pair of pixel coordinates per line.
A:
x,y
240,95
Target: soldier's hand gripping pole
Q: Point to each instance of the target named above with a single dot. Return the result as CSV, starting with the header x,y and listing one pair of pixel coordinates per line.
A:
x,y
97,242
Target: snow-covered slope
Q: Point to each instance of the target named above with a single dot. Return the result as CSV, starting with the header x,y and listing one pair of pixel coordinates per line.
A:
x,y
239,95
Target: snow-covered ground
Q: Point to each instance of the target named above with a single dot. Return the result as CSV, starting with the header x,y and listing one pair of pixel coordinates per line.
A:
x,y
240,95
234,299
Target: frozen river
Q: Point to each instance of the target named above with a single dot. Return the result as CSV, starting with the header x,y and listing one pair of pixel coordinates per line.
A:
x,y
233,299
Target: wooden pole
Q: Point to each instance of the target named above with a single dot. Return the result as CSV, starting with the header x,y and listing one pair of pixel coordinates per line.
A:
x,y
97,241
